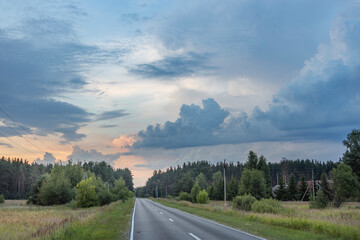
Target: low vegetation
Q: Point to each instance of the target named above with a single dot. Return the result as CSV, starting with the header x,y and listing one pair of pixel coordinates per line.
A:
x,y
292,220
20,221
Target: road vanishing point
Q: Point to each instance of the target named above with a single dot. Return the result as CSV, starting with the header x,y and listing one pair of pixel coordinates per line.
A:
x,y
154,221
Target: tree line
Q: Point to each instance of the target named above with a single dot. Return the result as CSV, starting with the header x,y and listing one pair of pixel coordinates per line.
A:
x,y
18,177
333,181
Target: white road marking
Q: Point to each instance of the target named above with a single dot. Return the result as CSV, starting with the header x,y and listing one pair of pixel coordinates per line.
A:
x,y
171,220
132,222
161,213
207,220
193,235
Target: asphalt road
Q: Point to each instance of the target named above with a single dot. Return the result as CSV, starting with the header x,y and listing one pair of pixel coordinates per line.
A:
x,y
154,221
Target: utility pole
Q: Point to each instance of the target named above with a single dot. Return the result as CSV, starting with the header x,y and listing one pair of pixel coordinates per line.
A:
x,y
166,191
224,184
313,183
277,179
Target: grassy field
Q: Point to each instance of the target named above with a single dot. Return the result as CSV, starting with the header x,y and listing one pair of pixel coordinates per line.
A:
x,y
296,221
21,221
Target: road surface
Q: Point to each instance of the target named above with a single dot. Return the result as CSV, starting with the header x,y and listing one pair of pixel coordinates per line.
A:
x,y
154,221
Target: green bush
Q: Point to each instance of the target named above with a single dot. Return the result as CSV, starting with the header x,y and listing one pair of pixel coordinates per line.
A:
x,y
86,194
243,202
2,199
194,192
266,206
55,189
184,196
321,201
202,197
120,190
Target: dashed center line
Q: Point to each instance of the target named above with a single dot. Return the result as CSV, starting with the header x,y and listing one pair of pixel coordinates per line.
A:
x,y
193,235
171,220
161,213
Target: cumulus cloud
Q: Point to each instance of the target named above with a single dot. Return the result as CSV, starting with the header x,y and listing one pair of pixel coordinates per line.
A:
x,y
196,126
78,154
47,159
322,102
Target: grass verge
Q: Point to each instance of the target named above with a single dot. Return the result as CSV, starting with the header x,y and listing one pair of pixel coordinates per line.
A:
x,y
112,222
265,225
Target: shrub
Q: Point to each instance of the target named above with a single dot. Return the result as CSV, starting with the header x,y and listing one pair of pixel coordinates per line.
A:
x,y
120,190
55,189
194,192
2,199
86,194
184,196
321,201
202,197
266,206
243,202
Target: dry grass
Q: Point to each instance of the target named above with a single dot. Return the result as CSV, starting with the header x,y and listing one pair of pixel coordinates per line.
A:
x,y
19,221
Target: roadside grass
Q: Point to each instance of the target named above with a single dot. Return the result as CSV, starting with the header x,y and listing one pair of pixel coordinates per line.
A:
x,y
296,221
21,221
110,222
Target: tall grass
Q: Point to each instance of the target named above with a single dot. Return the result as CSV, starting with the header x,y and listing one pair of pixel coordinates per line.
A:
x,y
19,221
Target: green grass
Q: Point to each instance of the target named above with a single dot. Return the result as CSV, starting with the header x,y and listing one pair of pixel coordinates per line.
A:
x,y
270,226
112,222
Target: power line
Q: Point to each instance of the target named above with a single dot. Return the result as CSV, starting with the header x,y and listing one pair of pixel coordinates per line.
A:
x,y
17,123
21,136
19,145
11,118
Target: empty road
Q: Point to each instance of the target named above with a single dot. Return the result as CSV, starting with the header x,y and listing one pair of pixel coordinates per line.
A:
x,y
153,221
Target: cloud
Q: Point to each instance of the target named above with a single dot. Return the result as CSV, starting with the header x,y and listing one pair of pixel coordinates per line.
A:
x,y
41,60
124,141
78,154
175,66
112,114
108,126
196,126
321,103
6,144
248,35
47,159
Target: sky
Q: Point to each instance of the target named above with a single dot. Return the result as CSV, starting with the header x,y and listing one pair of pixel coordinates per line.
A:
x,y
152,84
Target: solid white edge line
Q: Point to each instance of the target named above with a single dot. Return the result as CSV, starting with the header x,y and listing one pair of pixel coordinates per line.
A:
x,y
194,236
132,222
234,229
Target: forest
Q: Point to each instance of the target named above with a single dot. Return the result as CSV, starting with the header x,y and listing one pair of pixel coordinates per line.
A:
x,y
18,177
286,180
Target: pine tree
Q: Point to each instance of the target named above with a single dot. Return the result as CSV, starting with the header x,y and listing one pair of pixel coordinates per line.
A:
x,y
303,189
291,192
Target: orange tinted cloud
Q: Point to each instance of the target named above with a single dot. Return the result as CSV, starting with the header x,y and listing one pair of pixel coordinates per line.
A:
x,y
124,142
